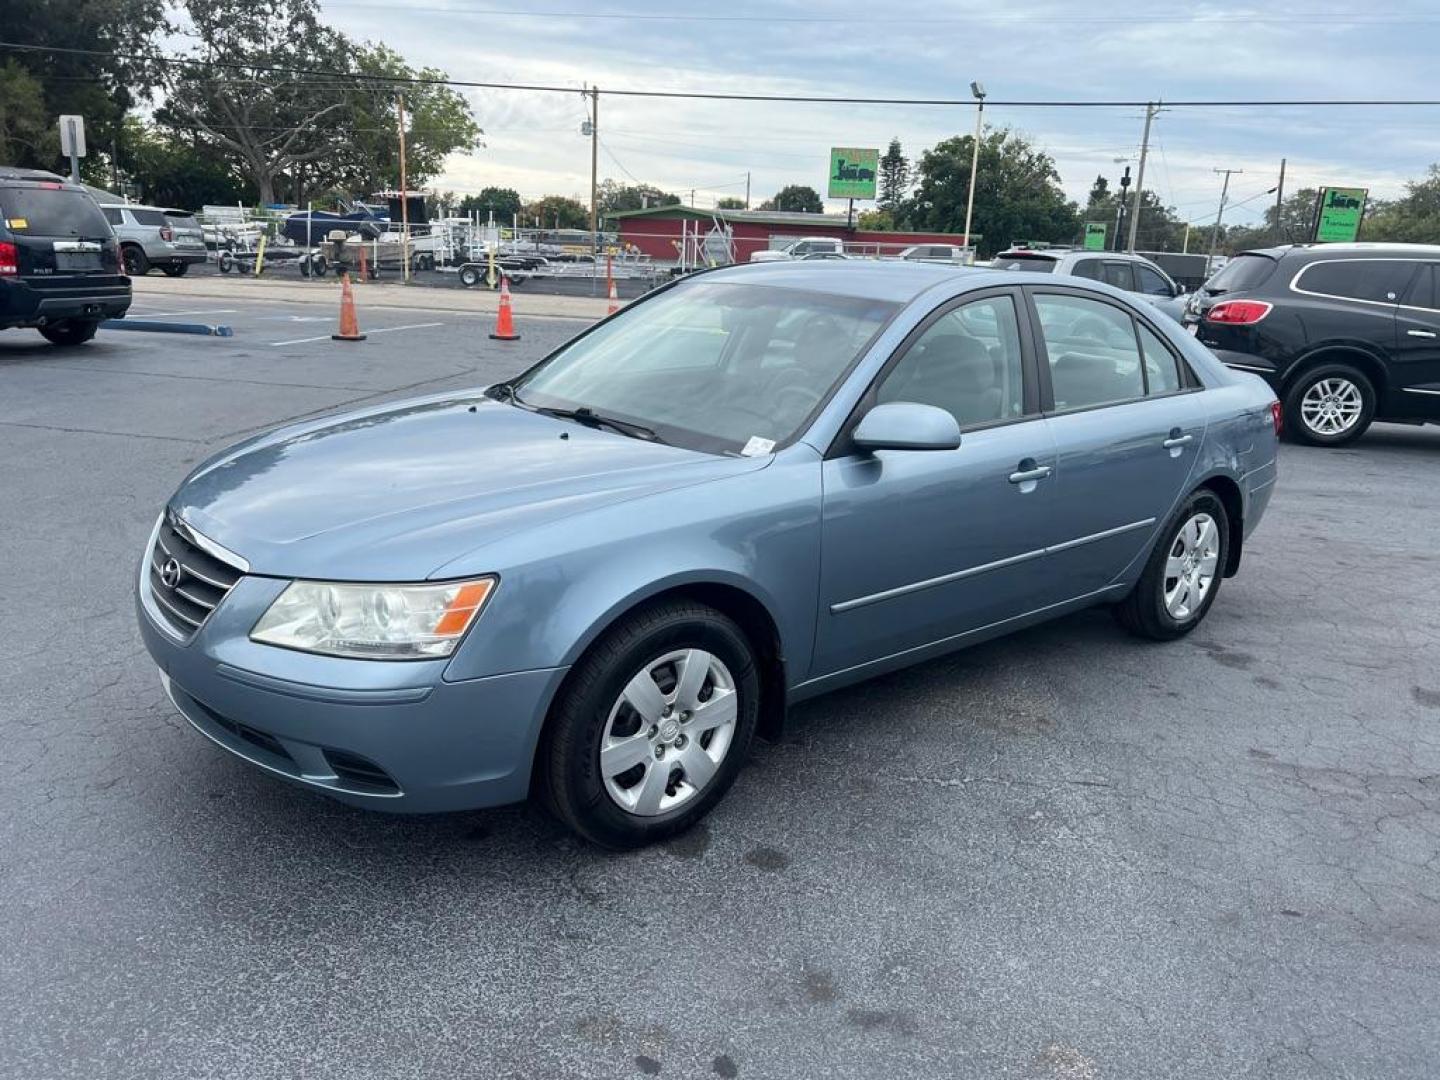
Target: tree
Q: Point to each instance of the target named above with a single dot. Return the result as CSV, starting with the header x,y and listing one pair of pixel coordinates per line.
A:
x,y
876,220
505,202
614,197
730,202
24,121
1414,218
1017,197
556,212
894,178
169,171
796,198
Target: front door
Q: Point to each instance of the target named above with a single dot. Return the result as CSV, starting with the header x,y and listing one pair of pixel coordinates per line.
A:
x,y
921,545
1128,419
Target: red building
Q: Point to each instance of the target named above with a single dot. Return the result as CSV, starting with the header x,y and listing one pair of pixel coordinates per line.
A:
x,y
659,231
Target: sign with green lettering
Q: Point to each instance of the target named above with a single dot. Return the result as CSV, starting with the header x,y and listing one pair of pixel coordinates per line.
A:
x,y
1337,220
852,172
1095,236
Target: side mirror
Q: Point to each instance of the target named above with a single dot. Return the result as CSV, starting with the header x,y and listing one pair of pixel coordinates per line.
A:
x,y
907,425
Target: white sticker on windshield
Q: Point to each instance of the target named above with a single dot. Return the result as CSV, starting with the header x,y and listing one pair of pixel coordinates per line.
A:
x,y
757,446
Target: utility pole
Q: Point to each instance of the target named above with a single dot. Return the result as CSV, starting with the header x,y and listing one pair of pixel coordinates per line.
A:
x,y
1279,204
1219,214
1151,110
747,189
404,196
594,168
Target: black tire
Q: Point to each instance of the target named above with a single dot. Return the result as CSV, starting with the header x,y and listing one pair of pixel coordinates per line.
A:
x,y
1296,426
70,332
469,277
134,261
568,762
1144,612
225,263
319,267
175,269
303,265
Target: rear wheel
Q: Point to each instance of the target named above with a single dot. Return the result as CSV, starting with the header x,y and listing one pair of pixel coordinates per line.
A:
x,y
134,261
175,269
1183,573
652,727
1329,405
70,332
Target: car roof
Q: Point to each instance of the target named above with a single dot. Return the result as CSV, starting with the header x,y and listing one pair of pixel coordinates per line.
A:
x,y
891,280
1359,249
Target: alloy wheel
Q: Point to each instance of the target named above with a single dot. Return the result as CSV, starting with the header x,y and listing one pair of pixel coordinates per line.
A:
x,y
668,732
1191,565
1331,406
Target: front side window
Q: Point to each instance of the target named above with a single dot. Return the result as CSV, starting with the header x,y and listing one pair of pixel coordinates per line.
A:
x,y
1118,274
967,363
712,365
1092,353
1376,280
1151,283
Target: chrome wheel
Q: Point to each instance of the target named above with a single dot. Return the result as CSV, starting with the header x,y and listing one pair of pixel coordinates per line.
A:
x,y
1332,406
1191,565
668,732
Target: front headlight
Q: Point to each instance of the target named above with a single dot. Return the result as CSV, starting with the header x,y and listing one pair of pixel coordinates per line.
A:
x,y
373,622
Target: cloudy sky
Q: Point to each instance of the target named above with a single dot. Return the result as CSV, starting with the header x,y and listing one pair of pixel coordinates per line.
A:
x,y
1033,49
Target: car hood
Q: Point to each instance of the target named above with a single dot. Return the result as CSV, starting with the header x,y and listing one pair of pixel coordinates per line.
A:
x,y
394,493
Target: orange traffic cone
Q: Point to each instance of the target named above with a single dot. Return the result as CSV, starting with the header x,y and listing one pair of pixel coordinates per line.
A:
x,y
614,299
505,321
349,325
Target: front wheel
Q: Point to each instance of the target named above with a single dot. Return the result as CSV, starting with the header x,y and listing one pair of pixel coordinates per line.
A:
x,y
652,727
70,332
469,277
1183,573
1329,405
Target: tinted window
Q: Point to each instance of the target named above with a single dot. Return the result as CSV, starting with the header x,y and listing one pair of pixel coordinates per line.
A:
x,y
1088,268
1162,376
1091,350
967,363
1040,264
52,212
148,217
113,215
1424,291
1118,274
1243,272
1357,279
711,365
1149,282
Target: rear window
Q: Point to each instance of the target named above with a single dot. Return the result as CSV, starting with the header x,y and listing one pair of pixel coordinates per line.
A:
x,y
148,217
52,212
1040,264
1241,273
1378,280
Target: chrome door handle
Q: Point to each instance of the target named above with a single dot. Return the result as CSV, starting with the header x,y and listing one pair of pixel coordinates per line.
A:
x,y
1177,440
1421,333
1025,475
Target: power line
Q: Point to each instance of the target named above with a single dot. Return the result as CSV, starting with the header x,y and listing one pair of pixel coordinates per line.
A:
x,y
696,95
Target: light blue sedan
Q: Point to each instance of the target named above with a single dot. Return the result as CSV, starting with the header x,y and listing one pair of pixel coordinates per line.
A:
x,y
599,581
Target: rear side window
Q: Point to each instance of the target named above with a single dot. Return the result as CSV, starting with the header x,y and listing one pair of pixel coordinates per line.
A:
x,y
1040,264
1243,272
1119,275
1162,376
113,215
1424,291
1093,355
148,217
52,212
1088,268
1376,280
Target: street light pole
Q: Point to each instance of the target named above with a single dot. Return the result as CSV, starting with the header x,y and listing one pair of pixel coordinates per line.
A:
x,y
594,167
978,92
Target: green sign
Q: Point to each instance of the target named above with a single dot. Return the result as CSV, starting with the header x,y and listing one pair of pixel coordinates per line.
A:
x,y
852,172
1094,236
1338,220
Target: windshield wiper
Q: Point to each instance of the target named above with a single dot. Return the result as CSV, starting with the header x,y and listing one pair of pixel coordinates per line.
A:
x,y
590,418
501,391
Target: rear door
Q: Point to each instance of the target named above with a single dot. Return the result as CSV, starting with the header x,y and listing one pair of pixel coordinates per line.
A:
x,y
57,231
1128,421
1415,382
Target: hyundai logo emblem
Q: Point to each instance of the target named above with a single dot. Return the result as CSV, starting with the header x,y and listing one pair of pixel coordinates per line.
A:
x,y
170,573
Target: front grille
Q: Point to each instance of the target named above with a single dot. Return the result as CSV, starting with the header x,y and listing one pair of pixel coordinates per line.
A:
x,y
202,582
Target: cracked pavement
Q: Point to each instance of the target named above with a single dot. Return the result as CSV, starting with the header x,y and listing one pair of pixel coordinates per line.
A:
x,y
1067,854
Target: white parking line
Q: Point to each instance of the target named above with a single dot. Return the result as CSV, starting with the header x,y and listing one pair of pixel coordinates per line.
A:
x,y
382,330
169,314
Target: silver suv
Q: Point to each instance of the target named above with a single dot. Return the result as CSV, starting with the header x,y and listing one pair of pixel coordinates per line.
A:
x,y
1133,273
151,236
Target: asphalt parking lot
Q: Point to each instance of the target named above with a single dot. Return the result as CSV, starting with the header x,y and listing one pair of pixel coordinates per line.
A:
x,y
1063,855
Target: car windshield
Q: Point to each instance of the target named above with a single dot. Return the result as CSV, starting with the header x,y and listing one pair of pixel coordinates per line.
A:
x,y
718,367
1040,264
52,211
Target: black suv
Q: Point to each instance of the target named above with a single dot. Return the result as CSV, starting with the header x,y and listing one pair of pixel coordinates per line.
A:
x,y
1345,333
59,260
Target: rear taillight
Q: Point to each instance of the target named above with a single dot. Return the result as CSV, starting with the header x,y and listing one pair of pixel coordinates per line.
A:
x,y
9,259
1238,312
166,233
1277,417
